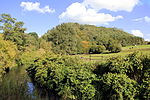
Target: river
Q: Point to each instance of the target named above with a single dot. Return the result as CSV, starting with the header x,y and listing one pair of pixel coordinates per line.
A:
x,y
16,85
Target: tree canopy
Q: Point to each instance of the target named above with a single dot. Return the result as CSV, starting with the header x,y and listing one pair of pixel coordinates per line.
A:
x,y
8,54
74,38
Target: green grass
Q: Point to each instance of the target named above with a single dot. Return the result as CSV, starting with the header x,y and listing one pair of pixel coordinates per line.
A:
x,y
145,49
133,48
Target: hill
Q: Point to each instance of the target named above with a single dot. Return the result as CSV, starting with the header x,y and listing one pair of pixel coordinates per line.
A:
x,y
74,38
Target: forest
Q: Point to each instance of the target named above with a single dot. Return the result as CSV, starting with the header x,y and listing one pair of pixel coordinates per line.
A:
x,y
54,66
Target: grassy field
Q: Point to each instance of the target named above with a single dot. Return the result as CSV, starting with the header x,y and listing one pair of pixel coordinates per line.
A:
x,y
145,49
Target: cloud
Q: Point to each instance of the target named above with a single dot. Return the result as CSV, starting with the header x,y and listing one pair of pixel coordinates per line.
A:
x,y
147,40
137,33
143,19
78,12
89,11
112,5
30,6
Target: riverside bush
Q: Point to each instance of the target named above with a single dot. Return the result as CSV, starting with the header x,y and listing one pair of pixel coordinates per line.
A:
x,y
116,79
65,76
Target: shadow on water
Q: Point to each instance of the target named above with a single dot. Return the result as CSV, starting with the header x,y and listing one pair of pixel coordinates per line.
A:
x,y
16,85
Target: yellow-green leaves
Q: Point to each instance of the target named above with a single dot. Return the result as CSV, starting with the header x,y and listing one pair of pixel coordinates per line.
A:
x,y
8,54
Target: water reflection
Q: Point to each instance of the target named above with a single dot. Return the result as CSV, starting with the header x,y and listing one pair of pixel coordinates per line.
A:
x,y
30,87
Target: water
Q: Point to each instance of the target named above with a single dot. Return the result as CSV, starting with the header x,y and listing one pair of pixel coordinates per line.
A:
x,y
16,85
30,87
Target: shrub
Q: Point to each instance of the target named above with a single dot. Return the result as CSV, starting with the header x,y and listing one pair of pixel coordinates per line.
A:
x,y
65,76
96,49
135,66
117,87
114,46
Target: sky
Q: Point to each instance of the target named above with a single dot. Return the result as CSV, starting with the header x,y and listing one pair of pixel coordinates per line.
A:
x,y
132,16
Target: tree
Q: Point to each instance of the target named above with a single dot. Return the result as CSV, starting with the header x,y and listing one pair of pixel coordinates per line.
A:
x,y
34,34
114,46
12,30
64,39
97,49
73,38
31,41
8,54
45,45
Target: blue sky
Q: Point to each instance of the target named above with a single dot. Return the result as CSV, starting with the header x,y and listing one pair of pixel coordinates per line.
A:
x,y
132,16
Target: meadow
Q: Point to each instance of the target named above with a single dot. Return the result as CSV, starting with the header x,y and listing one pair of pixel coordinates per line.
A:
x,y
144,49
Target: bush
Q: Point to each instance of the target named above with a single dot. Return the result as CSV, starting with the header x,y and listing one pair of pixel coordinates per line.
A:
x,y
117,87
117,79
114,46
65,76
96,49
135,66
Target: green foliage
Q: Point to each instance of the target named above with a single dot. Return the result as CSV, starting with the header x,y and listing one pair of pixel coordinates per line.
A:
x,y
12,29
97,49
135,66
32,40
45,45
34,34
116,87
65,76
8,54
18,39
27,58
10,25
64,39
113,46
73,38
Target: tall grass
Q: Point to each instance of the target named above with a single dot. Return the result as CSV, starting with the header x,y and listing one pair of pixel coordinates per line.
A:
x,y
15,86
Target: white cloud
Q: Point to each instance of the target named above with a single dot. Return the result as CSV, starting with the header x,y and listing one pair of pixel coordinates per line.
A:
x,y
137,33
147,19
77,12
112,5
30,6
88,12
147,40
144,19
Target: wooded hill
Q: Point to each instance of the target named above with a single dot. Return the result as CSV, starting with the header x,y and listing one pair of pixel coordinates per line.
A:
x,y
74,38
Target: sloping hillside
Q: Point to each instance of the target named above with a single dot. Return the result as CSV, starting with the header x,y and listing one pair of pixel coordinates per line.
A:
x,y
73,38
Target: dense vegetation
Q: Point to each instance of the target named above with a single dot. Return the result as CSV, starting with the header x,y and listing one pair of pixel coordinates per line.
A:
x,y
73,38
8,53
63,76
133,73
17,47
69,76
116,79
